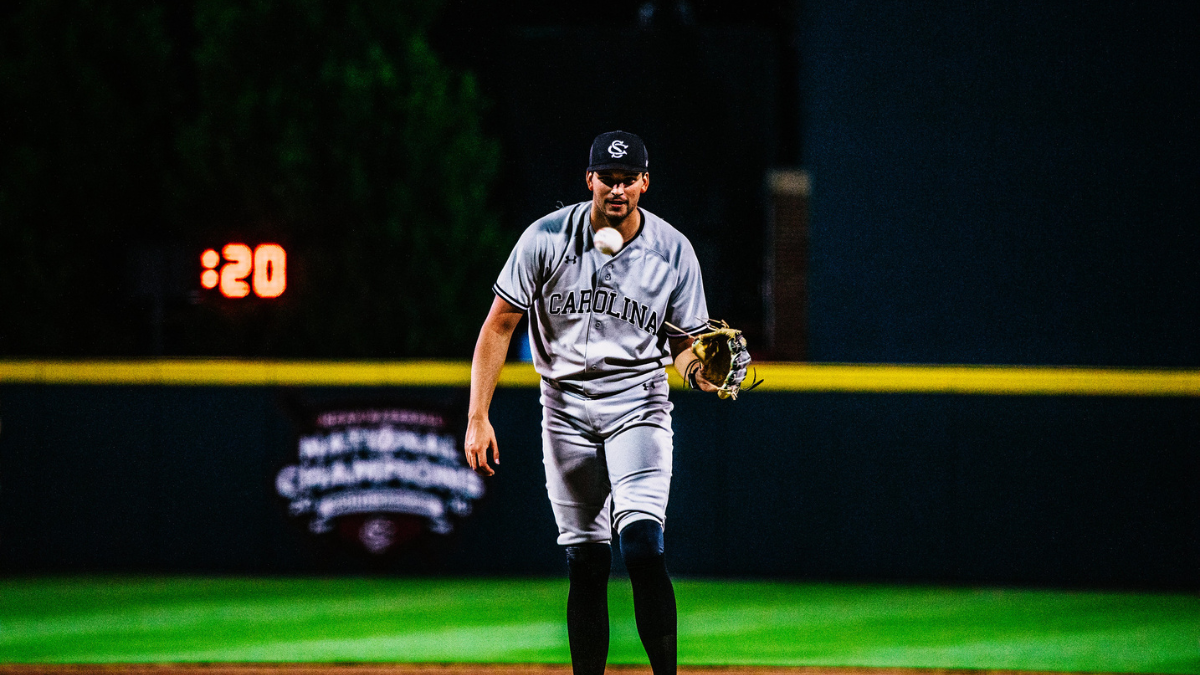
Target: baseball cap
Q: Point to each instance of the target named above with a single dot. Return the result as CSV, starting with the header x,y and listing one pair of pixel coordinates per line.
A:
x,y
619,150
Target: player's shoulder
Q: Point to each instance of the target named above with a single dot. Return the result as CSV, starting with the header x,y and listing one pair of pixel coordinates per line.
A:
x,y
560,221
665,239
558,226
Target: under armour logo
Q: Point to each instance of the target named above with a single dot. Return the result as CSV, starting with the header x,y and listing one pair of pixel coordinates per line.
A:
x,y
618,149
572,259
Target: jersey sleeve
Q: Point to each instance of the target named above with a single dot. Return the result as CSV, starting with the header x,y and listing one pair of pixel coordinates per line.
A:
x,y
519,280
688,309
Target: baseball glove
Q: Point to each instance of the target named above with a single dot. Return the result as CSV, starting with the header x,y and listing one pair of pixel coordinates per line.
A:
x,y
723,359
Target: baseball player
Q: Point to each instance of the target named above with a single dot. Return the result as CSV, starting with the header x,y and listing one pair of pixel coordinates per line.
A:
x,y
601,328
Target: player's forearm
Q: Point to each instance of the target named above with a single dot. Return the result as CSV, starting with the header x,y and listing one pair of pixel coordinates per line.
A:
x,y
683,360
682,354
490,352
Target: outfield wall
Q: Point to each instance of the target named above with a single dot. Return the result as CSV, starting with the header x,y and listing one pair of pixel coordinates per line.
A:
x,y
1099,489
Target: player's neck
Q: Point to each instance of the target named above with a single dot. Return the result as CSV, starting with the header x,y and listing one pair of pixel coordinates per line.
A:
x,y
627,226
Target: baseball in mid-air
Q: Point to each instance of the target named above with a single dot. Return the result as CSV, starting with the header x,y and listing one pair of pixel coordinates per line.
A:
x,y
608,240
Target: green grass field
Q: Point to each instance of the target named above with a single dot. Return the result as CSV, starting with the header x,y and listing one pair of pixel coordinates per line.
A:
x,y
104,620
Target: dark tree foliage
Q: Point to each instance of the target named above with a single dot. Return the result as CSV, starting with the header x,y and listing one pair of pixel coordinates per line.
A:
x,y
86,92
328,127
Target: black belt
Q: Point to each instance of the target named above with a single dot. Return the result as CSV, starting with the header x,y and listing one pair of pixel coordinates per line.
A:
x,y
570,389
574,390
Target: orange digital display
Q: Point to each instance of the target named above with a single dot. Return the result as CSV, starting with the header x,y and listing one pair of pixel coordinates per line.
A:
x,y
265,266
270,271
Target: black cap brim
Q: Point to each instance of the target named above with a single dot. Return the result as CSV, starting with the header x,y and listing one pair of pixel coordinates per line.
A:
x,y
614,166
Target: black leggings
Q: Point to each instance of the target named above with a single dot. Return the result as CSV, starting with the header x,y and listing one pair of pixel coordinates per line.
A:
x,y
588,566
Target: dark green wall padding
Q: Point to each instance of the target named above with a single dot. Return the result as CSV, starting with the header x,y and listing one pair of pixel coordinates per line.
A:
x,y
1065,491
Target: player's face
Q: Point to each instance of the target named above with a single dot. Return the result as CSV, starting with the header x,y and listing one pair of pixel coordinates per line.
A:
x,y
615,193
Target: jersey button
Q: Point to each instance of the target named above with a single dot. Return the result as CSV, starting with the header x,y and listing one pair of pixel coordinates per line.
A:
x,y
597,324
607,277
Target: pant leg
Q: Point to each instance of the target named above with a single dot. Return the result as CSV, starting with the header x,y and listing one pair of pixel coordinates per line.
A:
x,y
639,455
576,475
639,469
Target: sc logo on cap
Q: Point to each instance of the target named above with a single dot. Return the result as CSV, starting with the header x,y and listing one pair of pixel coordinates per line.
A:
x,y
618,149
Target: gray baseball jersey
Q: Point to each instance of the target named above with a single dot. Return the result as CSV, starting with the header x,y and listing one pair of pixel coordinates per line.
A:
x,y
596,322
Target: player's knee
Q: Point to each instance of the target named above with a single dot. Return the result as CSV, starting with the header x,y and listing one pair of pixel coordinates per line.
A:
x,y
589,562
642,544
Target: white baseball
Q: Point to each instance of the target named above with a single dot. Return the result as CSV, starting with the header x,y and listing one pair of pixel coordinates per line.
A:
x,y
608,240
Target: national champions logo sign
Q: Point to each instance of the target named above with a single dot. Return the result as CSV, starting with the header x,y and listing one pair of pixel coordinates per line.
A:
x,y
391,472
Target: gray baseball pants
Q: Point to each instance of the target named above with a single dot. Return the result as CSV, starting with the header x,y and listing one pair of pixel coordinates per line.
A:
x,y
607,459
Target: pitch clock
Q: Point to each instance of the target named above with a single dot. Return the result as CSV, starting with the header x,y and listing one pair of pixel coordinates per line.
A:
x,y
237,270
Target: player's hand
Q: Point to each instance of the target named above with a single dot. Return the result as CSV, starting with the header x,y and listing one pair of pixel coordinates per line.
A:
x,y
704,384
480,438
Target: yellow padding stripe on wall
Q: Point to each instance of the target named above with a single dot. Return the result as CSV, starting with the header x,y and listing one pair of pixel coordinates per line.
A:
x,y
875,378
231,372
